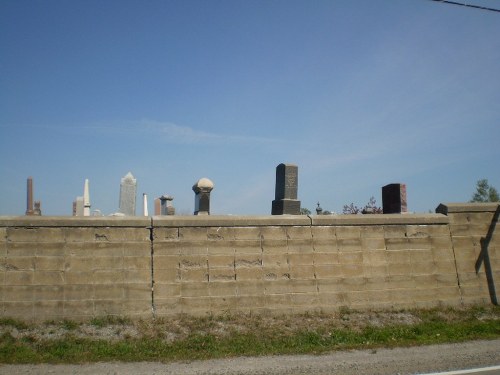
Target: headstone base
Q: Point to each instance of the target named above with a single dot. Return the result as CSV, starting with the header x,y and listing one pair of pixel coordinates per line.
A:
x,y
286,207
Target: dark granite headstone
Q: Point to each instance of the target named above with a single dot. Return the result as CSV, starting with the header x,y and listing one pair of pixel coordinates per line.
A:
x,y
394,199
202,190
285,198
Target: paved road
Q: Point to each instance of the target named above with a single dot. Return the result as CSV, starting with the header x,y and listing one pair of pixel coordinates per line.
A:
x,y
420,360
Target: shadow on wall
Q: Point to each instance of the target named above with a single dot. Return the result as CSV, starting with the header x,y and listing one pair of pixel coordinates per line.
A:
x,y
484,257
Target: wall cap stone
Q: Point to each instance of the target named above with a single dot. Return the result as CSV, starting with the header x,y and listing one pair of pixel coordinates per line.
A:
x,y
75,221
446,208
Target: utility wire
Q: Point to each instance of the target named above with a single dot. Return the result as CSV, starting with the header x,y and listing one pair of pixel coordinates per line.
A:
x,y
467,5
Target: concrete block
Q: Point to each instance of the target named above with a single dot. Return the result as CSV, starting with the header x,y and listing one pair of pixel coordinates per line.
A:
x,y
191,247
303,286
350,257
19,277
21,249
78,277
193,233
372,232
324,233
274,260
348,232
423,268
300,259
373,243
250,288
328,271
442,254
398,256
394,231
392,244
274,246
19,310
137,263
336,299
273,233
18,263
137,292
168,306
108,307
78,292
195,304
248,260
132,234
167,290
221,288
417,231
399,268
135,249
419,244
22,234
194,275
18,293
375,270
325,246
223,304
166,262
221,248
49,263
137,309
325,258
165,234
246,233
76,264
222,274
249,274
48,293
277,287
48,278
45,310
221,261
353,270
276,273
108,263
167,275
349,244
302,272
108,292
50,248
375,257
108,277
299,232
401,281
247,246
79,234
78,309
131,276
300,246
421,256
310,300
443,280
193,262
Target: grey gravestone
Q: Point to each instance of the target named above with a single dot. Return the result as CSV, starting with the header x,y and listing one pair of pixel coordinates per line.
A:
x,y
285,197
29,200
166,207
394,199
202,189
128,193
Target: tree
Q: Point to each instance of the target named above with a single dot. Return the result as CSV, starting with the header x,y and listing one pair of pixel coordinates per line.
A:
x,y
305,211
370,208
485,192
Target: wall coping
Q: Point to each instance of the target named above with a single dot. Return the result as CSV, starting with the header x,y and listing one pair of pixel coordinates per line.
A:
x,y
223,220
447,208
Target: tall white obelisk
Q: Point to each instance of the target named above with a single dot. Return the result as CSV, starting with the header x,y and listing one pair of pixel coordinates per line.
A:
x,y
145,204
86,199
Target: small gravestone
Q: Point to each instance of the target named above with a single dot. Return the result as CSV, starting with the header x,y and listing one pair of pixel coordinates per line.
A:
x,y
394,199
285,198
166,207
202,189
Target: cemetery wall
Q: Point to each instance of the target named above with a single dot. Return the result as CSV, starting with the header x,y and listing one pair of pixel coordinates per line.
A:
x,y
77,268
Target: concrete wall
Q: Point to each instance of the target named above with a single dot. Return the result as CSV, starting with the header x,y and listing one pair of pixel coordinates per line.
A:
x,y
52,268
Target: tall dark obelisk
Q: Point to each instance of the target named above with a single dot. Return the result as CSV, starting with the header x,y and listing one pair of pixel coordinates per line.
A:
x,y
29,202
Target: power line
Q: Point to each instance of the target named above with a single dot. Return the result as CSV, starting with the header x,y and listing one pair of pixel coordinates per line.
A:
x,y
467,5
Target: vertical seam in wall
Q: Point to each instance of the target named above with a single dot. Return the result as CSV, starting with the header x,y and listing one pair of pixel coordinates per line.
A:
x,y
456,266
313,253
151,240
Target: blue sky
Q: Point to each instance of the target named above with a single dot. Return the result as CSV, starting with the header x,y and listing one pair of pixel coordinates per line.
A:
x,y
357,93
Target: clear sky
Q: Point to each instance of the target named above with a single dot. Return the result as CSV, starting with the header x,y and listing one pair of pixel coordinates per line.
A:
x,y
357,93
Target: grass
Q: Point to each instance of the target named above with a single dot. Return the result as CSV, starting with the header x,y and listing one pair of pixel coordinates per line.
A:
x,y
189,338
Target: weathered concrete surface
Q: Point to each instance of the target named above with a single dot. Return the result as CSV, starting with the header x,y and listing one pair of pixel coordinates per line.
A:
x,y
65,267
